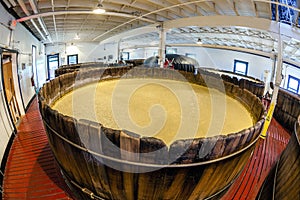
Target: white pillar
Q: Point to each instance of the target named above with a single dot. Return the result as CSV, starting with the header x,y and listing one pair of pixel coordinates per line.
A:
x,y
118,50
162,46
273,68
278,75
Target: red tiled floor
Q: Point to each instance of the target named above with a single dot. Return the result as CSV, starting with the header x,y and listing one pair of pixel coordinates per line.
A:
x,y
256,170
32,173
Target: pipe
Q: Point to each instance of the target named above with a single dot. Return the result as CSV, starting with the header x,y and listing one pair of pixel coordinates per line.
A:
x,y
54,21
41,22
23,7
13,3
37,28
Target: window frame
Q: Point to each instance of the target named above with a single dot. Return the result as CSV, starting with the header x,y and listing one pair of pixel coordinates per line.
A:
x,y
48,64
191,55
291,89
239,72
68,62
125,55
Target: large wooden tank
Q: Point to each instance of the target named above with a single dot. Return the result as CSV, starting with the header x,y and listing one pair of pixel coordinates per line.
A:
x,y
104,163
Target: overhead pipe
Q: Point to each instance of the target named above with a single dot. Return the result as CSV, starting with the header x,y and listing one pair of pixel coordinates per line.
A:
x,y
13,3
23,7
35,10
54,21
37,28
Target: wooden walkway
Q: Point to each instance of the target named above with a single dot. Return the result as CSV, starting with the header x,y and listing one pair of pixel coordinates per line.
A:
x,y
32,173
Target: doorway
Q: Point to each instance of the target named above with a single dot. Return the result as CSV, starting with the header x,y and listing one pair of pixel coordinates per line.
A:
x,y
52,65
11,87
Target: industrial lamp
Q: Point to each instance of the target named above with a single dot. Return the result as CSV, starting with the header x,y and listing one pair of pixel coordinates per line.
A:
x,y
99,9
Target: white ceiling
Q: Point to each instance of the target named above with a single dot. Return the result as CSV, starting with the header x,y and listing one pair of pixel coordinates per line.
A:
x,y
57,21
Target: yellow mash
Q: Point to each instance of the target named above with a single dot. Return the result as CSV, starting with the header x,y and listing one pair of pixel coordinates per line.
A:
x,y
165,109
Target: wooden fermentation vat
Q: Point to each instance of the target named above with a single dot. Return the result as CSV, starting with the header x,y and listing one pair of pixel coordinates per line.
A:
x,y
137,167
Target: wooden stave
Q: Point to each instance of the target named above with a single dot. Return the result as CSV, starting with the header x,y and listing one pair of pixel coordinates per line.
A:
x,y
287,109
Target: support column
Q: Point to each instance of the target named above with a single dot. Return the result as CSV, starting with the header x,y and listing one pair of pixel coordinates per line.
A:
x,y
162,45
273,69
278,79
118,51
272,76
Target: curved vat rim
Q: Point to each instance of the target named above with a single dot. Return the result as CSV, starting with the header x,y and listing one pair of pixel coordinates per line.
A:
x,y
149,165
296,127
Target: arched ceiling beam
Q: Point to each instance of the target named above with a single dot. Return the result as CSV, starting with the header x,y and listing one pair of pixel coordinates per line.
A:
x,y
232,48
46,14
132,33
240,21
213,21
150,13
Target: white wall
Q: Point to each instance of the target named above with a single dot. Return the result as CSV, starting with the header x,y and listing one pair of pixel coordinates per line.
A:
x,y
22,41
87,52
4,31
6,127
25,40
142,53
214,58
95,52
224,59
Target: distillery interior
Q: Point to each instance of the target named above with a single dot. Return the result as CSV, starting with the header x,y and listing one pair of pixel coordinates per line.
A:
x,y
150,99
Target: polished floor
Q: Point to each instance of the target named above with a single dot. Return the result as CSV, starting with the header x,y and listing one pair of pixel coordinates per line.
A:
x,y
32,173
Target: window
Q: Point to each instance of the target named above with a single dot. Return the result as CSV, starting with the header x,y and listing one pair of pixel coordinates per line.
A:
x,y
240,67
293,84
52,65
171,50
125,55
191,55
72,59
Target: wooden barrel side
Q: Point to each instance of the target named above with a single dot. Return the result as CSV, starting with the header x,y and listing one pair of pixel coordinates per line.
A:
x,y
284,179
64,69
77,143
287,180
287,109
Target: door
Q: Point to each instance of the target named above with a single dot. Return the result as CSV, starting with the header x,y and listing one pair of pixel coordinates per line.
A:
x,y
9,87
7,127
52,65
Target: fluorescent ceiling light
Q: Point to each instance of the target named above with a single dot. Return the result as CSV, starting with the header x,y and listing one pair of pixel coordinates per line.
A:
x,y
77,37
99,9
199,41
